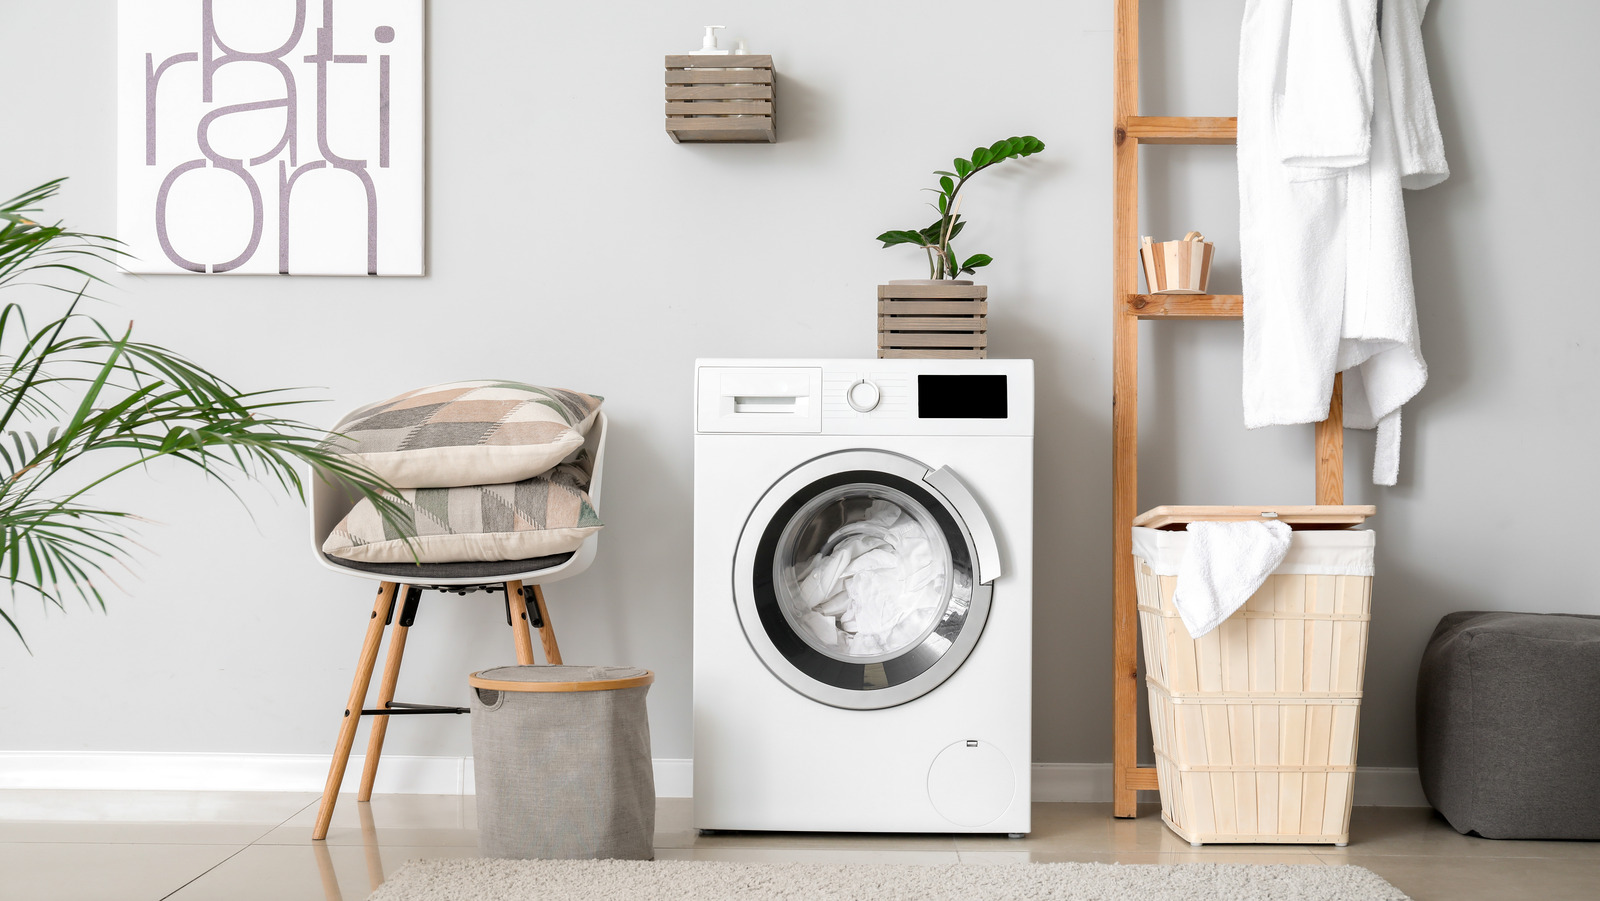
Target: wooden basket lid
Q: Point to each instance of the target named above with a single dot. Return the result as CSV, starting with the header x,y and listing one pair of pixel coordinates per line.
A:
x,y
1174,518
561,678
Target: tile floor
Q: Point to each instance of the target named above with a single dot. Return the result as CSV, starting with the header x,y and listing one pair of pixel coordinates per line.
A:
x,y
241,846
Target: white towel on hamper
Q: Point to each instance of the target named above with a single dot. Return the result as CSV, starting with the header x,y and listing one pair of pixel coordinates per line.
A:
x,y
1223,566
1335,115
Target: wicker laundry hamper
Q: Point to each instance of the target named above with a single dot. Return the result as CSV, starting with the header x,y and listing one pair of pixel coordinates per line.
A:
x,y
1255,723
561,762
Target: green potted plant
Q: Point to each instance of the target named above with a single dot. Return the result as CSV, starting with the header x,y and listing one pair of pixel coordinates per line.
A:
x,y
935,239
81,405
943,315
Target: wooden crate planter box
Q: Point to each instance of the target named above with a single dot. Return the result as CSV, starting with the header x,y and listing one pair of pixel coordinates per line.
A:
x,y
721,99
933,321
1255,723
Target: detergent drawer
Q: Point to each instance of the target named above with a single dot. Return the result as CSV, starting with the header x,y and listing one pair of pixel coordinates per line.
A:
x,y
758,400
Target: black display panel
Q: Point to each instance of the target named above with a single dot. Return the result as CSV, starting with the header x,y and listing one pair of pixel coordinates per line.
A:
x,y
961,397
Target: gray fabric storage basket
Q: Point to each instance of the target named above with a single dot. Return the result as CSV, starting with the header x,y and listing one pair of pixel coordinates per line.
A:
x,y
561,759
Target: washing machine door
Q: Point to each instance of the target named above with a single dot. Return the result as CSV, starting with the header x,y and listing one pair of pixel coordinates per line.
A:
x,y
863,578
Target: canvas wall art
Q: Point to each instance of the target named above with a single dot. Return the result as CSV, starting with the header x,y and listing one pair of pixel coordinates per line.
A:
x,y
271,136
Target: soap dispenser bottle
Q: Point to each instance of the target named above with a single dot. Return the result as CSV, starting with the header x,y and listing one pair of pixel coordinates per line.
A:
x,y
708,44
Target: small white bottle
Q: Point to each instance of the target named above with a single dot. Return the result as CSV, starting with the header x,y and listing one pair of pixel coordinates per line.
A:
x,y
740,48
708,44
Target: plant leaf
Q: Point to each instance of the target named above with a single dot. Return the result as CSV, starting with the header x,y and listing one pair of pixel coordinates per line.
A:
x,y
948,184
976,260
891,238
963,168
980,157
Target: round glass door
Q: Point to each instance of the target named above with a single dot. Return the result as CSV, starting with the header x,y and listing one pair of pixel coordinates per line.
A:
x,y
856,585
862,572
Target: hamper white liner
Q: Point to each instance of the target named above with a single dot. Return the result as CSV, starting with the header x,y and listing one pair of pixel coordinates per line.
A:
x,y
1255,723
1325,552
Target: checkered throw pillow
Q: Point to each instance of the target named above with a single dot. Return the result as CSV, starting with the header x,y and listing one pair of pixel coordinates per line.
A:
x,y
467,433
548,514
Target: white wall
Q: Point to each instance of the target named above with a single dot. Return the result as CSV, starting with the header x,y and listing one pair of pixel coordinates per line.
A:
x,y
572,243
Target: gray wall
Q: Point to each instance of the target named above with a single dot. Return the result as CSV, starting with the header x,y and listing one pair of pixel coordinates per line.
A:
x,y
572,243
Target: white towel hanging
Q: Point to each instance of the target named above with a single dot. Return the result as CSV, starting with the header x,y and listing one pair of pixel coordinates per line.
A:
x,y
1335,114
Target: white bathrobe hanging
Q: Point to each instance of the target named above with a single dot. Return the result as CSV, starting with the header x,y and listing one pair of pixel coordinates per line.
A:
x,y
1333,121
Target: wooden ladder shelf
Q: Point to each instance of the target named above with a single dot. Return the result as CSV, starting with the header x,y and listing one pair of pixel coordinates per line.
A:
x,y
1132,130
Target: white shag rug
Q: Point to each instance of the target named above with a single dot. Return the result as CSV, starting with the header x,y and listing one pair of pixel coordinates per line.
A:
x,y
483,879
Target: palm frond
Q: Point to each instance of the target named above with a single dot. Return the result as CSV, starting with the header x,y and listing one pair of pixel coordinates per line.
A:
x,y
74,394
26,246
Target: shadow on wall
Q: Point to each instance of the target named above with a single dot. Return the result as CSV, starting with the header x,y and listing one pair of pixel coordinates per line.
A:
x,y
1072,440
1441,257
802,112
667,612
1408,602
1180,75
1071,570
600,619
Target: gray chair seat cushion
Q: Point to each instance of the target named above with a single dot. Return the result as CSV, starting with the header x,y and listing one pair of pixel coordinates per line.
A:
x,y
1508,724
414,573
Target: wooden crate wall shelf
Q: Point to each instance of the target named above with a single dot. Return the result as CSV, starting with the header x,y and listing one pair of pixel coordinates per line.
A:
x,y
721,99
933,321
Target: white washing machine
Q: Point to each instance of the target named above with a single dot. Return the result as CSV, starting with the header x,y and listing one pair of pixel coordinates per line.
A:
x,y
863,606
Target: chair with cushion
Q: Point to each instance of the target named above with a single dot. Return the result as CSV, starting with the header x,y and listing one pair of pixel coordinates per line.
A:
x,y
1508,724
507,511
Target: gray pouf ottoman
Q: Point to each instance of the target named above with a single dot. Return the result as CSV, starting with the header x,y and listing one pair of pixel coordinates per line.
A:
x,y
561,761
1508,724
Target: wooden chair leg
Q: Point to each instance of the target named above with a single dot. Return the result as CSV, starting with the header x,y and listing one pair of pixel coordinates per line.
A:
x,y
391,675
547,629
352,708
517,611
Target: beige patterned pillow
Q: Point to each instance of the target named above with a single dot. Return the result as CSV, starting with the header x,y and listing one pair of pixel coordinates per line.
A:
x,y
467,433
548,514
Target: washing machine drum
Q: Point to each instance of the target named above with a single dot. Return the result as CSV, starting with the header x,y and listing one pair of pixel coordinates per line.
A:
x,y
857,578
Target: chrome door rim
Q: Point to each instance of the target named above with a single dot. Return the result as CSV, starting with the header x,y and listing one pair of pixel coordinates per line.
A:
x,y
763,517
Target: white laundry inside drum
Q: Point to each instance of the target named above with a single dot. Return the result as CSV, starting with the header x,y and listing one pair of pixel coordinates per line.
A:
x,y
863,573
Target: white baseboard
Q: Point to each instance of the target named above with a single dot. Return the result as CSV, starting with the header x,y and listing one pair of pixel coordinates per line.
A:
x,y
159,771
674,777
176,771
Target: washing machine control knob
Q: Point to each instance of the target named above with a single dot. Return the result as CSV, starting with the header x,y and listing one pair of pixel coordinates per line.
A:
x,y
862,396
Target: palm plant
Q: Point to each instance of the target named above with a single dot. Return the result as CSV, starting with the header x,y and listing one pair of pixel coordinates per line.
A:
x,y
81,405
935,239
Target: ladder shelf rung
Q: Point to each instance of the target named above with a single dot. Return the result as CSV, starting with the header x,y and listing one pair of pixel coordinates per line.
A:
x,y
1181,129
1184,306
1143,778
